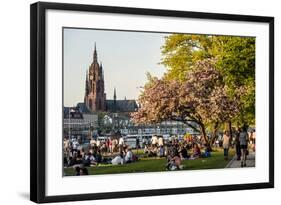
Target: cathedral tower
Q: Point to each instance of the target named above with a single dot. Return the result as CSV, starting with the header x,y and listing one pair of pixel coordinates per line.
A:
x,y
94,89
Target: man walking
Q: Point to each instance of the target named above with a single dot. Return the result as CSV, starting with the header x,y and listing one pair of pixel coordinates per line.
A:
x,y
237,144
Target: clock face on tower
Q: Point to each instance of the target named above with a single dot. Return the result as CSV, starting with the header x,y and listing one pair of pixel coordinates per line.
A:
x,y
91,77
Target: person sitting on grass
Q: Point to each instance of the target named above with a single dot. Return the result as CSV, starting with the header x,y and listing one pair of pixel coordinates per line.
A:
x,y
103,148
129,156
80,170
98,156
135,158
89,160
146,149
152,151
196,151
83,171
183,153
65,162
70,162
170,166
76,159
86,159
177,161
161,151
118,159
82,152
77,170
207,152
174,163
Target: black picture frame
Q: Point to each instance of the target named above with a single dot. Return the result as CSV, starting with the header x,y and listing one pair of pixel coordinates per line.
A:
x,y
38,100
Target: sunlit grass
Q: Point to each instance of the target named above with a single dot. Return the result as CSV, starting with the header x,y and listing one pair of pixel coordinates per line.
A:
x,y
152,164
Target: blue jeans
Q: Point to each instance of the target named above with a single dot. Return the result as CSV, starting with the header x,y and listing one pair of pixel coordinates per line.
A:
x,y
225,152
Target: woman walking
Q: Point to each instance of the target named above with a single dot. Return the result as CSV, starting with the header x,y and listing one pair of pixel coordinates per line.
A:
x,y
243,138
225,144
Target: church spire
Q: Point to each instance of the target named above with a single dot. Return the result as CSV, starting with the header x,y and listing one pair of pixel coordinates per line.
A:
x,y
95,58
95,98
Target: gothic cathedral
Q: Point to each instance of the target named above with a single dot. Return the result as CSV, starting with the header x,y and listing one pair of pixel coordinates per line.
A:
x,y
95,97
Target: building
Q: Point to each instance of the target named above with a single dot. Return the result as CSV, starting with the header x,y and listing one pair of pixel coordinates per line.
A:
x,y
95,96
117,106
78,123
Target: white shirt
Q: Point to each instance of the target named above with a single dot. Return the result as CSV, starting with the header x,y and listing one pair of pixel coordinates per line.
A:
x,y
121,141
92,158
154,140
129,156
160,141
98,143
75,145
92,142
117,160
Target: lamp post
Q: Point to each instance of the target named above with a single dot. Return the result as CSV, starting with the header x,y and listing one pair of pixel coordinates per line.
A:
x,y
70,110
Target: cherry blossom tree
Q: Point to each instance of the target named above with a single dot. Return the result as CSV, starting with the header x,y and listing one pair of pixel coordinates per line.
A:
x,y
200,99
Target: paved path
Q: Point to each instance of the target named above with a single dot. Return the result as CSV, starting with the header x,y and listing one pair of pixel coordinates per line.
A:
x,y
234,163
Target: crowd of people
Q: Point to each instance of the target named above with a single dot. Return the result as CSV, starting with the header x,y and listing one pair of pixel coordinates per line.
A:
x,y
175,150
115,151
110,151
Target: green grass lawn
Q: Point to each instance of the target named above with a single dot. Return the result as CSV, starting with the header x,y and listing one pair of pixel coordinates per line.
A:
x,y
216,161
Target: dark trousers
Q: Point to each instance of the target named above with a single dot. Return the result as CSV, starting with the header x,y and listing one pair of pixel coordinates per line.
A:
x,y
225,152
238,151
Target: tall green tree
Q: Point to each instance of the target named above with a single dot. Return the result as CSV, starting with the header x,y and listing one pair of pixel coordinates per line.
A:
x,y
181,51
236,62
235,59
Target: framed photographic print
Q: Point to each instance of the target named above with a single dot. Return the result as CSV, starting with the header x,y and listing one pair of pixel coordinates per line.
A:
x,y
129,102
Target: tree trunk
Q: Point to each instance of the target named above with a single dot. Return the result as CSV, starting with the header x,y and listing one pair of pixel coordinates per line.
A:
x,y
230,130
214,134
203,131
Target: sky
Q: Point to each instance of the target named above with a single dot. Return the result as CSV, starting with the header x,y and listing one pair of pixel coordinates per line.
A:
x,y
126,58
